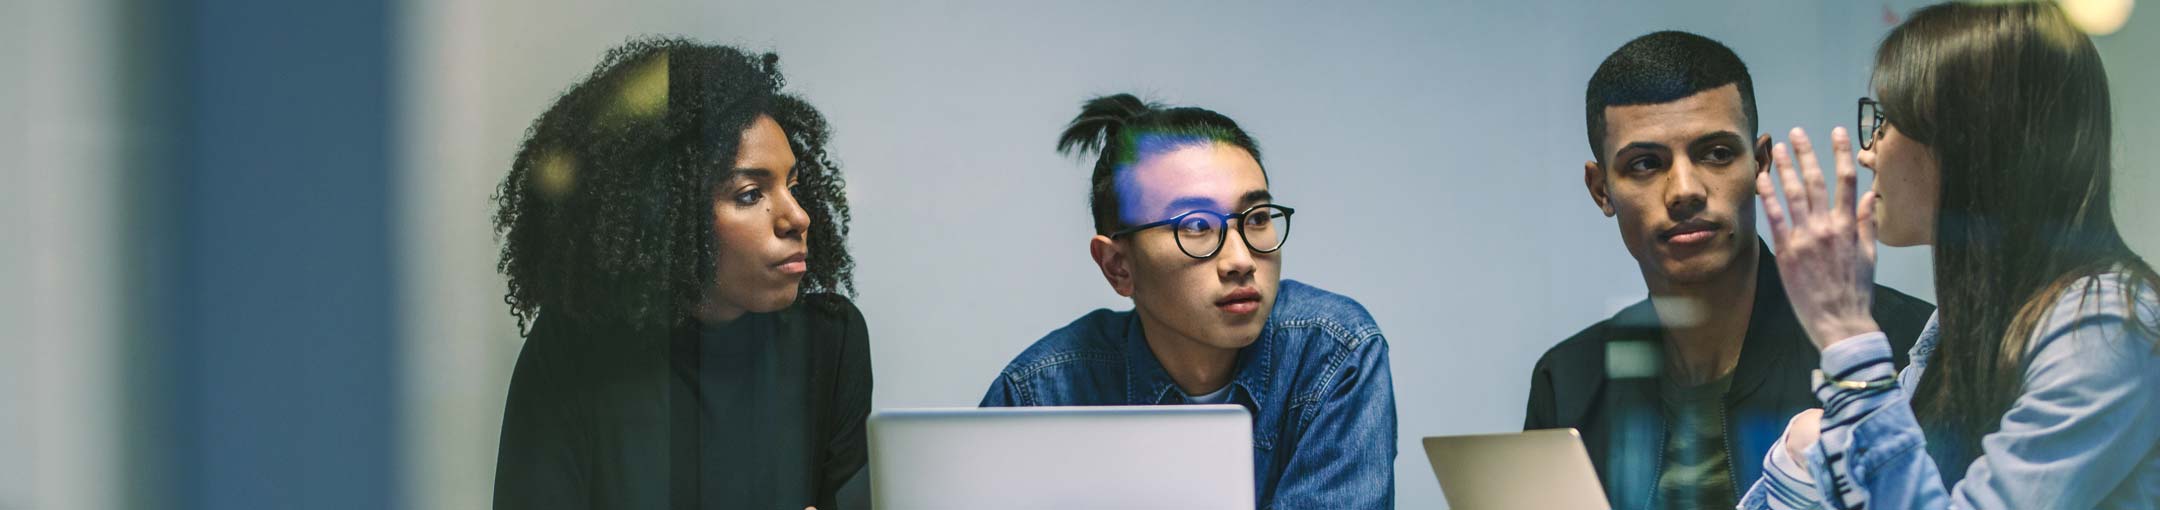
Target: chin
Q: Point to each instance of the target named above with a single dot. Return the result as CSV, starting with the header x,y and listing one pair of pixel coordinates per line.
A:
x,y
1697,271
1901,239
1903,242
1894,241
1708,264
1239,337
1232,344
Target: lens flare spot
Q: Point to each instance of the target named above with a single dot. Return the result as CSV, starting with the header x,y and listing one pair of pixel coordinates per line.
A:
x,y
2098,17
1632,359
644,92
556,173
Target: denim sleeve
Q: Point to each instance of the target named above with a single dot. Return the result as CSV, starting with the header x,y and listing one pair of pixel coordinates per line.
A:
x,y
1001,394
1831,461
2080,426
1346,457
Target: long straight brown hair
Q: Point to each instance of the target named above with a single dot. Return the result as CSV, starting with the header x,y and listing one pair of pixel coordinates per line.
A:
x,y
2013,102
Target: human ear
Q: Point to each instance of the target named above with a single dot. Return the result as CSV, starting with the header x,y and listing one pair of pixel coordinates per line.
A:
x,y
1115,264
1594,181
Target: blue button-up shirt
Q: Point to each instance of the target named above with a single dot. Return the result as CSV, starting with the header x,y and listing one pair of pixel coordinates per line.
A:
x,y
1316,383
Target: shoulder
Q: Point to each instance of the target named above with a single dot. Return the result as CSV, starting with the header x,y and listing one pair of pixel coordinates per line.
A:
x,y
1565,382
834,329
1337,317
1323,344
2099,334
1090,339
1588,345
2118,301
564,358
561,346
2117,293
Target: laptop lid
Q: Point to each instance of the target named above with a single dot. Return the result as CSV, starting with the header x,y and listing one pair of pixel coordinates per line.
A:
x,y
1532,469
1185,456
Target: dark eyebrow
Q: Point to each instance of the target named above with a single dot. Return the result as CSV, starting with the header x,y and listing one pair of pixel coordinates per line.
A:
x,y
748,173
1192,203
1183,204
1648,146
1721,136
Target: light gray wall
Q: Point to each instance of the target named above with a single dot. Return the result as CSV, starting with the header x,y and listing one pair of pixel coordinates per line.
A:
x,y
2132,78
1432,148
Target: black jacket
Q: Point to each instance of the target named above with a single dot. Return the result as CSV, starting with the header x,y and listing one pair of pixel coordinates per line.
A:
x,y
1619,414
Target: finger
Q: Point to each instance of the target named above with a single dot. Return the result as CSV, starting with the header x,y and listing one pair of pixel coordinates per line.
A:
x,y
1811,176
1795,198
1847,177
1866,228
1772,210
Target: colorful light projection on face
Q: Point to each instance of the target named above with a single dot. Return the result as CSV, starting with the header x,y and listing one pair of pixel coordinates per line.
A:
x,y
1171,174
1220,301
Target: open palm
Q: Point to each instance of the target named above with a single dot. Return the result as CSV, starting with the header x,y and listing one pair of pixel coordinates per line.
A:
x,y
1825,246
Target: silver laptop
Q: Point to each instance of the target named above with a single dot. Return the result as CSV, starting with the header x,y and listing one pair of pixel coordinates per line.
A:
x,y
1184,457
1534,469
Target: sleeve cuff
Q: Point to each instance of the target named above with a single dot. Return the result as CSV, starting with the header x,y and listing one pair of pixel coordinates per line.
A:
x,y
1789,471
1854,354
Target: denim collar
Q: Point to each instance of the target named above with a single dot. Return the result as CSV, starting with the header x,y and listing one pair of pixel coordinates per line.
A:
x,y
1148,384
1924,348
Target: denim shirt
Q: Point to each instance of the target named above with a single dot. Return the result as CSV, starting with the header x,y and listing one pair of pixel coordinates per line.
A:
x,y
2081,435
1316,383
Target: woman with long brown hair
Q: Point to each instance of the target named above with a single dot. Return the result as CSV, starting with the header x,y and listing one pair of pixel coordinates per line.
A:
x,y
2037,385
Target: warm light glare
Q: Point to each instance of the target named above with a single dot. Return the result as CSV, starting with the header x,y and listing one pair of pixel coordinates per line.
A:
x,y
2098,17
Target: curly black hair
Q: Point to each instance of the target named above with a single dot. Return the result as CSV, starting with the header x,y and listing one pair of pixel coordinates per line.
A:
x,y
606,214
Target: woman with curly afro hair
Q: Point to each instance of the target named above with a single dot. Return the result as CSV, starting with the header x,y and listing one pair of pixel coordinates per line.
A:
x,y
674,236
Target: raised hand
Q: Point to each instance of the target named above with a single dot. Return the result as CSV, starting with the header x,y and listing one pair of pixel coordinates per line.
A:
x,y
1825,247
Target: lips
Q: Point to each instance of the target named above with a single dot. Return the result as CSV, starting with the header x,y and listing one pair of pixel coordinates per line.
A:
x,y
794,265
1244,300
1690,232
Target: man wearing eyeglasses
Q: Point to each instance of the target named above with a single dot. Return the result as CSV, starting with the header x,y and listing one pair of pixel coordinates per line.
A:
x,y
1186,226
1679,396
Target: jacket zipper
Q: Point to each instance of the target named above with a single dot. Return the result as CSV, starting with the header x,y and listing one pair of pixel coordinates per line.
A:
x,y
1732,472
1663,437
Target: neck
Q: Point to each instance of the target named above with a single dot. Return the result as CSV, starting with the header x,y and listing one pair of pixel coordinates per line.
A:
x,y
1706,322
1196,367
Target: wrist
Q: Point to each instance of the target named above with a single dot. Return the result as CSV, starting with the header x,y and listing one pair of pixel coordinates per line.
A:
x,y
1851,354
1842,330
